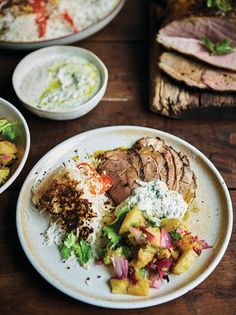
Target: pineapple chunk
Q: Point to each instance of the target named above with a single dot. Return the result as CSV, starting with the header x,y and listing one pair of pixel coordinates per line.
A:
x,y
133,218
119,286
172,224
141,288
4,173
157,234
7,149
185,261
145,256
163,253
187,243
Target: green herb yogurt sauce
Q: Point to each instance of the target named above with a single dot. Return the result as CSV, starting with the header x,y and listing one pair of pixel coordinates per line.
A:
x,y
61,84
156,200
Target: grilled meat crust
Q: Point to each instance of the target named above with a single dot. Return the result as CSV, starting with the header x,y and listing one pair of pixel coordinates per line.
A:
x,y
156,161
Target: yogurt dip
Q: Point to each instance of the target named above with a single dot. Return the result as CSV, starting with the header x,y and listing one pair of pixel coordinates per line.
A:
x,y
157,201
61,84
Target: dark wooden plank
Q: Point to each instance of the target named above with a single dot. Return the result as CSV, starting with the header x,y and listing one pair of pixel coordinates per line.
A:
x,y
24,291
131,24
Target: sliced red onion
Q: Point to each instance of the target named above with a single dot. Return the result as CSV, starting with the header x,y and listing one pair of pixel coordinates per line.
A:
x,y
5,157
137,234
179,231
163,266
194,239
155,282
121,266
165,239
198,251
150,236
204,244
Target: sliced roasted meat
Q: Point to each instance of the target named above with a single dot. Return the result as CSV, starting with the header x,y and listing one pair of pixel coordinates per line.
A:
x,y
124,167
197,74
191,20
149,159
180,176
161,155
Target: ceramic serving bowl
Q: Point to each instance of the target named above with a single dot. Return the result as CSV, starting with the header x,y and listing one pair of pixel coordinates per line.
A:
x,y
12,114
40,58
68,39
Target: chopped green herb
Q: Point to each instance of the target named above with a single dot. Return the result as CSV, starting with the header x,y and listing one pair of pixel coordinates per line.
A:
x,y
110,232
143,272
220,48
65,251
223,5
175,235
7,130
82,249
151,222
83,252
70,240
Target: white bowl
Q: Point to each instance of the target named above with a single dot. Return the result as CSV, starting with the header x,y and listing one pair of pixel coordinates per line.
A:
x,y
68,39
44,55
9,112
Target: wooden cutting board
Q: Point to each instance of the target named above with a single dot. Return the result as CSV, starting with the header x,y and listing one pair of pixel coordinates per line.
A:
x,y
174,99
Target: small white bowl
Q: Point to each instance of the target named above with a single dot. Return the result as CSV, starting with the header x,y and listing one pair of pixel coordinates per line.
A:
x,y
44,55
9,112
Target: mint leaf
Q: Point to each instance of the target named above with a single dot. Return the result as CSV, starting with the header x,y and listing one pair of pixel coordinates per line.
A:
x,y
222,5
70,240
210,3
220,48
65,251
83,252
175,235
223,47
207,43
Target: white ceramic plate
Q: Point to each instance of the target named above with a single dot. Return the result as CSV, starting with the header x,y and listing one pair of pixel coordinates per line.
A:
x,y
213,222
68,39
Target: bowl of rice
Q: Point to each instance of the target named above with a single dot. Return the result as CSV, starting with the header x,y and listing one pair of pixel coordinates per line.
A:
x,y
61,22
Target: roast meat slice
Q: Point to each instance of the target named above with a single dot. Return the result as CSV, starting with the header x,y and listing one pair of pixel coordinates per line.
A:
x,y
149,159
189,21
197,74
180,176
163,158
124,167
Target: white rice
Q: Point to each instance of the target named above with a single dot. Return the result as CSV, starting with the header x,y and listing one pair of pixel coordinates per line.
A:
x,y
100,205
23,28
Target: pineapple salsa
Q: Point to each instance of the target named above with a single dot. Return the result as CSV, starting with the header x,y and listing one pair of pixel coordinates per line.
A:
x,y
147,240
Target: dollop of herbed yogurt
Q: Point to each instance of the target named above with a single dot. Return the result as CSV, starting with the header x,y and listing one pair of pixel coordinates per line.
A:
x,y
61,84
157,201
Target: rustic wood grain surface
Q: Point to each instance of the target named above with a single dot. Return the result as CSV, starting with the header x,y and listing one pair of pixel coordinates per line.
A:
x,y
124,47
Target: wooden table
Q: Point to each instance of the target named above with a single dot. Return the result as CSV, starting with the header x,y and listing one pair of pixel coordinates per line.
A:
x,y
124,47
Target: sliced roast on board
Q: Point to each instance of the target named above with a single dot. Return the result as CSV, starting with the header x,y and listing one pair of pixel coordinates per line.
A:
x,y
191,20
149,159
196,74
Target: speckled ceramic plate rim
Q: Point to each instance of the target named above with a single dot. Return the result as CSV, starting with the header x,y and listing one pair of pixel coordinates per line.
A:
x,y
67,39
126,304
